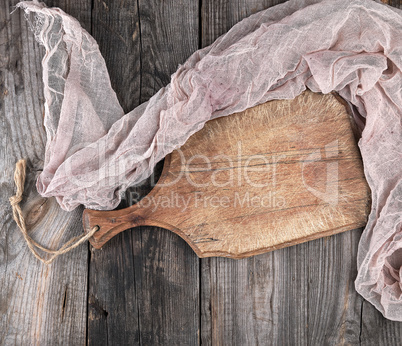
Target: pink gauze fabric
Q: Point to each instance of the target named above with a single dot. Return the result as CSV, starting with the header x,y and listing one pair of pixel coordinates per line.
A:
x,y
94,151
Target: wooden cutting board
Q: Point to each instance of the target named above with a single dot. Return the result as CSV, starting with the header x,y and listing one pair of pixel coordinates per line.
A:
x,y
275,175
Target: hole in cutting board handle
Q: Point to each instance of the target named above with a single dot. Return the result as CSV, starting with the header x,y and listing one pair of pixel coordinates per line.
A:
x,y
113,222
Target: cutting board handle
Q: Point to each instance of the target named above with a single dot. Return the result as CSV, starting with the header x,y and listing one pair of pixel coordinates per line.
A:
x,y
217,221
112,222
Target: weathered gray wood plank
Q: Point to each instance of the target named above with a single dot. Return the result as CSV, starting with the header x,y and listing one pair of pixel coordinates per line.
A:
x,y
167,275
39,305
112,301
300,295
395,3
116,28
219,16
376,330
144,284
303,295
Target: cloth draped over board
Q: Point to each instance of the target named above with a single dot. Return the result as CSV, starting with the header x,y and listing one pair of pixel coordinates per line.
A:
x,y
94,151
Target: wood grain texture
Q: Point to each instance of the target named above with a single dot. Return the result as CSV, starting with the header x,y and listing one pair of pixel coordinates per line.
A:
x,y
376,330
218,16
395,3
255,181
302,295
143,43
292,296
39,305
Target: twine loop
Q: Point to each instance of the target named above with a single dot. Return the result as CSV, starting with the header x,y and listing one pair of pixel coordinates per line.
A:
x,y
19,178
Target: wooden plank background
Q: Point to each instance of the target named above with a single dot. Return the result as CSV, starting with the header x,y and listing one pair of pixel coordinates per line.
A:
x,y
146,286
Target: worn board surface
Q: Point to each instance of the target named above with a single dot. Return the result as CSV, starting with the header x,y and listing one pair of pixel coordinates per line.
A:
x,y
278,174
147,286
